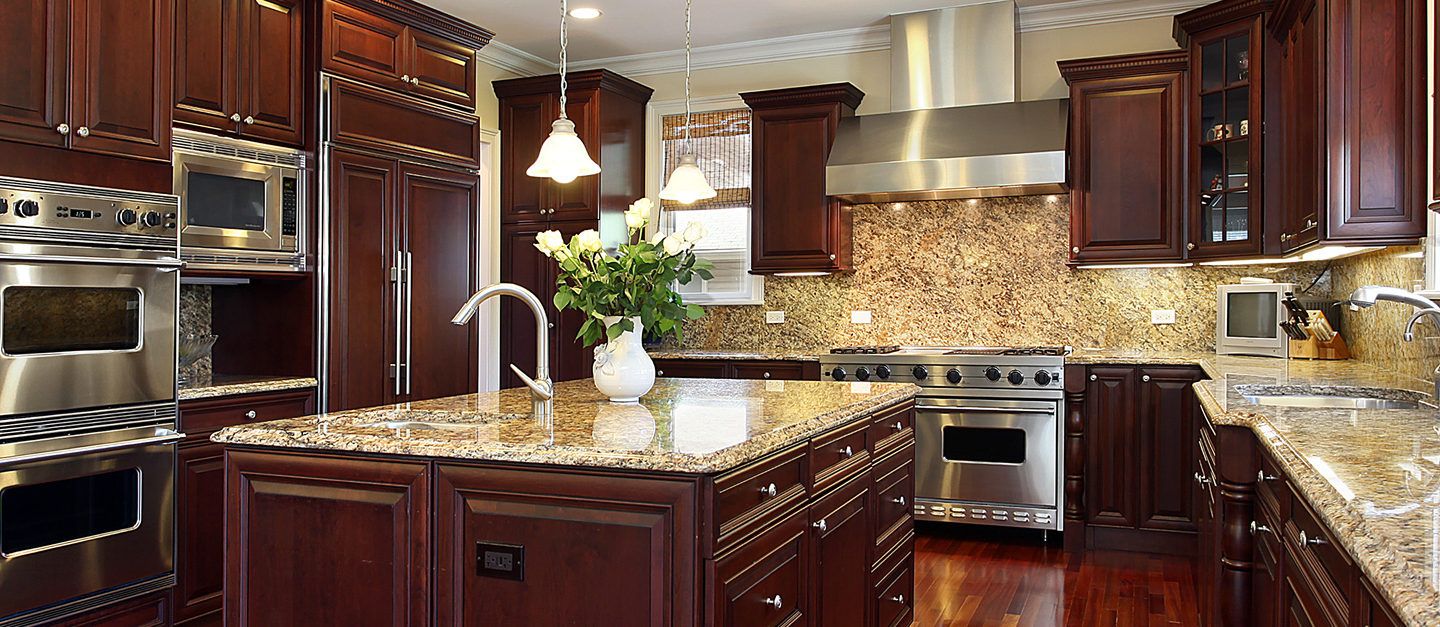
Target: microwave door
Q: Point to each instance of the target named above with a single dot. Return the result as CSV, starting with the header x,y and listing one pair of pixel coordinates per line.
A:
x,y
229,204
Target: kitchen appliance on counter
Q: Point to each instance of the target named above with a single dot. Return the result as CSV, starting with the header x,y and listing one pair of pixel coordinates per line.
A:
x,y
987,428
88,302
1252,319
242,204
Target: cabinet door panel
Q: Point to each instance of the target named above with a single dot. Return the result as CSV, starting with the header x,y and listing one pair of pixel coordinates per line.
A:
x,y
120,92
525,122
444,70
1167,445
791,210
274,76
765,581
365,236
840,531
576,200
200,529
440,211
1111,438
34,39
364,46
1302,106
525,266
206,34
572,358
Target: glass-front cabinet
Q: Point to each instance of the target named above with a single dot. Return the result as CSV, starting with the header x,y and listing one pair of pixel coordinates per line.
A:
x,y
1225,128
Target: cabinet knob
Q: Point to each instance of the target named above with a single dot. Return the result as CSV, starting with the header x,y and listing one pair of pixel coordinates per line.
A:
x,y
415,81
83,131
63,129
775,602
405,78
819,524
1200,478
847,451
1284,237
768,490
1254,527
234,117
1190,246
765,375
1075,249
1094,377
250,415
1306,540
249,119
898,426
551,325
899,598
832,257
1262,477
659,373
1310,223
1145,378
899,500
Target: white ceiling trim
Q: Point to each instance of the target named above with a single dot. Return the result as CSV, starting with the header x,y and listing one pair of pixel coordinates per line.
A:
x,y
1091,12
512,59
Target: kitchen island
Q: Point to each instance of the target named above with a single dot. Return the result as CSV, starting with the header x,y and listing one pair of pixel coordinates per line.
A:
x,y
712,502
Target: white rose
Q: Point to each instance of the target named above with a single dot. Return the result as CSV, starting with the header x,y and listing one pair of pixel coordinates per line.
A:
x,y
674,244
695,232
549,241
657,238
644,205
589,241
636,221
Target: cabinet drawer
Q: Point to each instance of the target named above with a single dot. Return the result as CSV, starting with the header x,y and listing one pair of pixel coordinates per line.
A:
x,y
1271,487
147,611
366,117
690,368
894,479
895,592
775,370
764,582
749,498
1316,552
204,416
839,455
892,428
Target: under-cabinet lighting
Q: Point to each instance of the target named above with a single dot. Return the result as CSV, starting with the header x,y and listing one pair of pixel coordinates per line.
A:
x,y
1323,253
802,274
1131,266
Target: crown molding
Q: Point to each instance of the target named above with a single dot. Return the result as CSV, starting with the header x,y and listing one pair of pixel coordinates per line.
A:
x,y
515,60
1091,12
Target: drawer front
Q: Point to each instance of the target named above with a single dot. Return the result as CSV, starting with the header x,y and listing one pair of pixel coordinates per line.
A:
x,y
894,500
690,368
775,370
1317,552
839,455
371,118
1272,488
207,415
746,498
895,593
892,429
763,583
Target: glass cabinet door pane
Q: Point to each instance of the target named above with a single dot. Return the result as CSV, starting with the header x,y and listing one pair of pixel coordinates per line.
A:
x,y
1237,216
1212,117
1212,171
1237,112
1212,66
1237,164
1213,206
1237,59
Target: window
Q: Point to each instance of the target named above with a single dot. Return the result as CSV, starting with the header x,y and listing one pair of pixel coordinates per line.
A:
x,y
720,139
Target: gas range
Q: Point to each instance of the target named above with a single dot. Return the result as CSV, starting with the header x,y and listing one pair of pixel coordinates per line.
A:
x,y
1010,372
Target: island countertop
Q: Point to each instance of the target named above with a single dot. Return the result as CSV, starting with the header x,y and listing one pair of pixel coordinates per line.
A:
x,y
695,426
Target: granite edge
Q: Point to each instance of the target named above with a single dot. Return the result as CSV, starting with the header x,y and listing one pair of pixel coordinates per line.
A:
x,y
732,355
248,387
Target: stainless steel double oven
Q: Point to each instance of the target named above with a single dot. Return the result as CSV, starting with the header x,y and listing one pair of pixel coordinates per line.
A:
x,y
89,291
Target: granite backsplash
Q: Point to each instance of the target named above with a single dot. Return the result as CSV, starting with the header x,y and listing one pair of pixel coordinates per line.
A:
x,y
195,321
1376,334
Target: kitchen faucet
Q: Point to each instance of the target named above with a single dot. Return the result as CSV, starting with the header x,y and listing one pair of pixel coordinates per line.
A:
x,y
1370,294
542,389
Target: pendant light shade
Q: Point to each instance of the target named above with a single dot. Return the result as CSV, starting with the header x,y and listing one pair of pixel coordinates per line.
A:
x,y
687,183
563,157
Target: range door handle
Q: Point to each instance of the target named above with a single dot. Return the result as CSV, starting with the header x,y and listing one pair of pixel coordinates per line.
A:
x,y
164,438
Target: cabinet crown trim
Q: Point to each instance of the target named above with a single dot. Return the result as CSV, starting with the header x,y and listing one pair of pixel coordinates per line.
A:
x,y
842,93
1217,14
427,19
1124,65
590,79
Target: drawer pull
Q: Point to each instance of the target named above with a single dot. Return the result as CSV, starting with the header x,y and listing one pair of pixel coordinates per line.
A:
x,y
1306,540
83,131
659,373
768,490
898,426
766,375
1254,527
899,598
847,451
775,602
1201,479
405,78
1262,477
1145,378
899,500
250,415
819,524
1094,377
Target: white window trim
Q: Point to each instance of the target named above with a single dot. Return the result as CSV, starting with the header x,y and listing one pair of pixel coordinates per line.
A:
x,y
654,180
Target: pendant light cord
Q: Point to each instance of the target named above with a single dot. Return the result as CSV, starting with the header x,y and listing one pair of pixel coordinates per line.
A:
x,y
687,75
564,43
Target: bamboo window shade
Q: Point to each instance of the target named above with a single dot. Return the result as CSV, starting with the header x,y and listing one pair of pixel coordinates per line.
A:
x,y
721,143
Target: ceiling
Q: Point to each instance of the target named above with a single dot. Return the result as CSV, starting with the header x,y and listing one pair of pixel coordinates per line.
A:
x,y
638,26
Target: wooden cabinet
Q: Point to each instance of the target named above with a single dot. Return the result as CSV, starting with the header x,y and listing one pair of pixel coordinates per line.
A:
x,y
380,43
1110,429
795,227
239,68
522,264
772,369
1166,453
765,581
840,530
1435,106
151,610
90,75
1294,212
1127,146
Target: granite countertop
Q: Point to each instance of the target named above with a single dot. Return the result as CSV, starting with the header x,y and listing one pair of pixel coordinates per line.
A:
x,y
231,385
692,426
738,355
1373,475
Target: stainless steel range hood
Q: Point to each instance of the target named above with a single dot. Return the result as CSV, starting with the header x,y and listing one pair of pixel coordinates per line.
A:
x,y
956,129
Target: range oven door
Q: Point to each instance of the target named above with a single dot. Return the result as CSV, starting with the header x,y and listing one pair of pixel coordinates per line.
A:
x,y
987,451
233,204
84,514
85,327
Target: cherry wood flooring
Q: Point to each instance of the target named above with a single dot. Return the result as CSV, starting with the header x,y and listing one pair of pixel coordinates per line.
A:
x,y
982,577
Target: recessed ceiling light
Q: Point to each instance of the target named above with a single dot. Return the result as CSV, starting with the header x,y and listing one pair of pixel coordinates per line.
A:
x,y
585,13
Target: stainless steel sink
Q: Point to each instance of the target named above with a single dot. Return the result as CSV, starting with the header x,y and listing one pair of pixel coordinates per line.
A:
x,y
416,425
1333,402
1332,397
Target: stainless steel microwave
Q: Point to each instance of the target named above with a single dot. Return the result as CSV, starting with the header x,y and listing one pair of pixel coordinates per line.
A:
x,y
1248,317
242,204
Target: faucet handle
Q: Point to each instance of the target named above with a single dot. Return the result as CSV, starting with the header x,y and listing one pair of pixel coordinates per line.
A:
x,y
543,388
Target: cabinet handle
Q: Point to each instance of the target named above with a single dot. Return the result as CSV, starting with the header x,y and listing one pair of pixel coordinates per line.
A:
x,y
1262,477
63,129
819,524
415,81
234,117
1306,540
768,490
1190,246
405,78
1145,378
899,598
250,415
899,500
766,375
847,451
249,119
1094,377
898,426
1257,527
659,373
775,602
83,131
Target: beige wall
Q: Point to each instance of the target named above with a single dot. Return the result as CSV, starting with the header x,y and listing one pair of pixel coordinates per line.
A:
x,y
487,106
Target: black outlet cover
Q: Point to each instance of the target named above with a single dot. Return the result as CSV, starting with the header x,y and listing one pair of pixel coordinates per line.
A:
x,y
501,561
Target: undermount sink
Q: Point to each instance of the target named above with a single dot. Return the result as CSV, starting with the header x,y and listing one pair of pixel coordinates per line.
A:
x,y
416,425
1332,397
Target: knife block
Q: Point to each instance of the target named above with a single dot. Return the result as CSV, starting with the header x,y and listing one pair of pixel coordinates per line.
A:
x,y
1313,348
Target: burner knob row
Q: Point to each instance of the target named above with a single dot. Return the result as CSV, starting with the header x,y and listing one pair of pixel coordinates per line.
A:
x,y
992,373
953,376
920,372
1015,378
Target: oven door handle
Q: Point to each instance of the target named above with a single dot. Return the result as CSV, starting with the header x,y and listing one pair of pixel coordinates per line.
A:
x,y
169,263
953,409
166,438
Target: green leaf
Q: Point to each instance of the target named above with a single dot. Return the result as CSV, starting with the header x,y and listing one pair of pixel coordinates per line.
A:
x,y
694,311
562,298
613,332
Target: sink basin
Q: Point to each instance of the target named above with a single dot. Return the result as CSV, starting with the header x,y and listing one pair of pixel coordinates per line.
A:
x,y
415,425
1332,397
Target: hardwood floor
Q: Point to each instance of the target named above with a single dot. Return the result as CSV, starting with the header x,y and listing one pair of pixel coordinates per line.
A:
x,y
983,577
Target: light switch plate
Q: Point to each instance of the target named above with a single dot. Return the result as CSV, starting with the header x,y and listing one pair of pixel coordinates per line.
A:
x,y
775,317
1162,316
860,316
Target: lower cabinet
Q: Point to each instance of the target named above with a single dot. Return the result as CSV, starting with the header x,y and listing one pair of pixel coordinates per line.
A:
x,y
840,531
774,369
152,610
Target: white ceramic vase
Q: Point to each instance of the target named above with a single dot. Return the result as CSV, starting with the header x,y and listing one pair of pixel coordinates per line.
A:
x,y
623,370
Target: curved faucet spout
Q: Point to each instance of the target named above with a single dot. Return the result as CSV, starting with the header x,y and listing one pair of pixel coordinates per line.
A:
x,y
542,389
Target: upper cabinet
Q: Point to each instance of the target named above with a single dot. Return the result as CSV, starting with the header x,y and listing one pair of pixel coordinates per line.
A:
x,y
795,227
112,97
239,68
379,42
1127,147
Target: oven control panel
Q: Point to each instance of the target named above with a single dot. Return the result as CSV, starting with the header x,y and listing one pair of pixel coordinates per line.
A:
x,y
41,209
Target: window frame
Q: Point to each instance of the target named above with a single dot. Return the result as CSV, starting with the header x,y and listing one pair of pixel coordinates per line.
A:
x,y
655,112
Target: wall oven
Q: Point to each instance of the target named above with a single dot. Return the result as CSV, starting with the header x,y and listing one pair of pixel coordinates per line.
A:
x,y
241,203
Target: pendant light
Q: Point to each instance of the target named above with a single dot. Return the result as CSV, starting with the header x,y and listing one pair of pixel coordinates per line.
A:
x,y
563,157
687,183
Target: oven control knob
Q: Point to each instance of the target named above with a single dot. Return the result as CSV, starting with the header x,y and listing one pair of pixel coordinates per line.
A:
x,y
1015,377
992,373
27,208
883,372
838,374
126,217
920,372
4,206
151,219
1042,377
953,376
862,373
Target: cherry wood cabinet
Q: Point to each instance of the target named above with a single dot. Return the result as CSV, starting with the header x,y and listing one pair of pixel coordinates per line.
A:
x,y
795,227
1294,212
240,68
773,369
1166,452
841,526
89,75
404,47
1127,150
522,264
151,610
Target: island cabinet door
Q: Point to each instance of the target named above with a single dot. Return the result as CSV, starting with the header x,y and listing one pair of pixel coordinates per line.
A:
x,y
318,540
764,581
577,548
840,560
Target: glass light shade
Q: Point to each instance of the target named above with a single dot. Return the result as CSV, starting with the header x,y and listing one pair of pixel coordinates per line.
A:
x,y
687,183
563,157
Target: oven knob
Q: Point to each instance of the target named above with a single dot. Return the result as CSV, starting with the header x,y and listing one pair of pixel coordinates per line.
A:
x,y
1015,377
992,373
953,376
4,206
883,372
920,372
838,374
27,208
126,217
1042,377
151,218
862,373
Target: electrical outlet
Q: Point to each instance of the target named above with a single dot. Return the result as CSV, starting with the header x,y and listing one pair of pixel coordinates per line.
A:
x,y
1162,316
860,316
775,317
502,561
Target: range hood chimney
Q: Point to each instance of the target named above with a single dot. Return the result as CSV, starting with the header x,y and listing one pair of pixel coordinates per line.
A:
x,y
956,128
